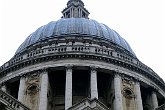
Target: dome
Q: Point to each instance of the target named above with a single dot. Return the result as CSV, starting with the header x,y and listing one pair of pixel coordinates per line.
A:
x,y
75,26
77,63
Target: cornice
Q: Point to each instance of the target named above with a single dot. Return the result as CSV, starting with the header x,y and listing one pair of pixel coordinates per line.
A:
x,y
109,55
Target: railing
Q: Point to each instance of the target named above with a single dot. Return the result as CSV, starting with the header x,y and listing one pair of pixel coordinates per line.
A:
x,y
11,102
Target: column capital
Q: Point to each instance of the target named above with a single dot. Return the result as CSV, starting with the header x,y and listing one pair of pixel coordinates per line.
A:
x,y
23,74
93,68
137,80
154,89
3,83
69,66
44,70
23,77
117,75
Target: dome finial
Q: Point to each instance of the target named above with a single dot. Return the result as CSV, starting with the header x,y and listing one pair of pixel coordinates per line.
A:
x,y
75,9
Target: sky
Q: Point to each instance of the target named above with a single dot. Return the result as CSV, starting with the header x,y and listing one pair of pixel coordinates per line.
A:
x,y
140,22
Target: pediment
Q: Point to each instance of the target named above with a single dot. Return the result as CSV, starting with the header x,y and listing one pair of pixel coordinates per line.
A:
x,y
89,104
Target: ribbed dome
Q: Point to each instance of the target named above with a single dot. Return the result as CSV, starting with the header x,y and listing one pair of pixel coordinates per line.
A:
x,y
75,26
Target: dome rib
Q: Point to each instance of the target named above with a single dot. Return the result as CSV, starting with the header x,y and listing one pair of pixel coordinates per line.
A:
x,y
78,26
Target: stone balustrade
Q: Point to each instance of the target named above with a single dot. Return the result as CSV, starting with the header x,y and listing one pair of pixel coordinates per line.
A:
x,y
120,59
11,102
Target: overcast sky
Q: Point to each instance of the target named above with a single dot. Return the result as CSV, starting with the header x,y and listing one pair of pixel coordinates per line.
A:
x,y
140,22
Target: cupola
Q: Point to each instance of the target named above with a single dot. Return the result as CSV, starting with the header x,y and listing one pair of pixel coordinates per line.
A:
x,y
75,9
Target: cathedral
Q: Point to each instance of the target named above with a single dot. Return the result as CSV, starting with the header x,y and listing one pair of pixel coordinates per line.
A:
x,y
77,63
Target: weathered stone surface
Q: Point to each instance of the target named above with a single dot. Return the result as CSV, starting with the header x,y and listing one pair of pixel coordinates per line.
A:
x,y
78,64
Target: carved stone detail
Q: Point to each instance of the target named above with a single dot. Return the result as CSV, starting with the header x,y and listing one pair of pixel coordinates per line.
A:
x,y
127,82
33,77
32,89
32,84
128,93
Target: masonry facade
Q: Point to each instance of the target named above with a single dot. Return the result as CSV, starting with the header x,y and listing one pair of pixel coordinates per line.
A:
x,y
78,64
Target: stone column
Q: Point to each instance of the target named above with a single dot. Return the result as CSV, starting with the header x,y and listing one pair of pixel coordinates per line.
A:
x,y
154,100
44,90
138,96
21,89
114,104
72,12
118,95
93,83
68,88
81,13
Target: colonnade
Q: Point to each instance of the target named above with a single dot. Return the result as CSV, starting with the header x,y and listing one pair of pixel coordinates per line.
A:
x,y
73,12
93,90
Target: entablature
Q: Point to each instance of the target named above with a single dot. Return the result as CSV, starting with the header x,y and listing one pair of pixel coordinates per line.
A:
x,y
81,48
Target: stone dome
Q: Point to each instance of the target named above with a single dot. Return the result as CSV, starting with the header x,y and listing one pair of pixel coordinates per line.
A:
x,y
77,27
76,63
